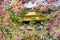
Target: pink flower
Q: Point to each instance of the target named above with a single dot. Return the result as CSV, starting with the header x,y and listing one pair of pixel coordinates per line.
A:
x,y
58,16
17,13
51,21
33,1
50,1
1,12
26,1
57,34
0,33
7,1
52,7
50,25
20,2
22,7
58,0
1,38
1,6
58,20
17,37
48,30
38,6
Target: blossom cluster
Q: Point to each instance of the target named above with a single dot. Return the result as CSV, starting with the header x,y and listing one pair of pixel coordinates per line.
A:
x,y
12,27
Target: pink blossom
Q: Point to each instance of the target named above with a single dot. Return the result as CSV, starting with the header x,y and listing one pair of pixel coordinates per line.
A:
x,y
20,2
50,25
33,1
26,1
0,33
17,13
17,37
59,0
7,1
58,20
55,22
58,16
1,38
1,6
52,7
50,1
1,12
48,30
57,34
38,6
51,21
22,7
54,29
